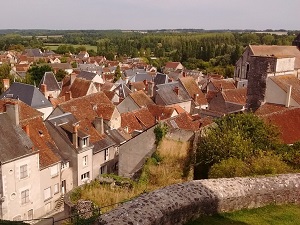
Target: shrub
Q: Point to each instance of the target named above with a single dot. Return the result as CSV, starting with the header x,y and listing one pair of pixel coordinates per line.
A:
x,y
160,132
231,167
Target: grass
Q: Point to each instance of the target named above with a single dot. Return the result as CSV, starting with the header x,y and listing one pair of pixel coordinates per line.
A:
x,y
54,46
156,174
269,215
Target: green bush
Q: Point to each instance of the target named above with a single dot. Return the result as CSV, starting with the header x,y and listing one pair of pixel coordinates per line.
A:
x,y
160,132
231,167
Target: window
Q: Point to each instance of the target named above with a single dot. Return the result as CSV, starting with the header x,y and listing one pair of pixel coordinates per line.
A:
x,y
56,189
23,171
85,176
84,142
103,169
64,165
25,196
85,160
30,214
47,193
106,154
54,171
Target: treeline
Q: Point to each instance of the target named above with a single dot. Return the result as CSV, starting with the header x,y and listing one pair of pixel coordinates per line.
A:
x,y
212,52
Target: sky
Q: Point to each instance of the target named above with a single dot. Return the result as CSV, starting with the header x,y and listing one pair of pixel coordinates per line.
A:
x,y
149,14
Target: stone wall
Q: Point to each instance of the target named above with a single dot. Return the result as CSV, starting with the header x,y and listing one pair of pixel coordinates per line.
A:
x,y
179,203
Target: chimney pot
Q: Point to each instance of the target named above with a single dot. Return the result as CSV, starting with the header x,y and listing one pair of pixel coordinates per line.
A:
x,y
176,90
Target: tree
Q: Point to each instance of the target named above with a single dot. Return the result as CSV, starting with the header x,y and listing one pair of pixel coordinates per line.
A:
x,y
37,72
238,136
118,73
60,74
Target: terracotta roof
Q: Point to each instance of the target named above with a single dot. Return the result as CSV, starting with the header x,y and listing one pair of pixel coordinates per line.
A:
x,y
288,122
109,94
161,112
184,121
211,94
284,81
25,111
80,87
107,86
145,117
178,109
139,86
41,138
172,65
130,122
223,83
277,51
141,99
269,108
194,91
238,96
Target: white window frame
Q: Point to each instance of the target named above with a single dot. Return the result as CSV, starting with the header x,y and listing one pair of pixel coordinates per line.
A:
x,y
56,188
106,154
47,193
85,161
85,176
54,170
25,197
23,171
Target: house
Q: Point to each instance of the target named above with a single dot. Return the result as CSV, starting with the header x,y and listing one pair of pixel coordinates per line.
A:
x,y
62,66
220,84
197,96
83,55
172,67
243,65
134,101
228,101
270,79
96,115
171,94
30,95
90,76
162,112
49,85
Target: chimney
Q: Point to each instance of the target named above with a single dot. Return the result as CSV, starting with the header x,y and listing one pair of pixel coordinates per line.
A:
x,y
26,129
98,123
130,86
145,82
183,74
196,97
72,78
50,96
176,90
288,96
75,134
68,95
150,88
43,88
12,110
6,84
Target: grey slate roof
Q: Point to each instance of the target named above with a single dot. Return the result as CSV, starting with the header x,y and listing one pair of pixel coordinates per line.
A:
x,y
160,79
169,97
123,90
14,141
116,136
50,80
86,75
140,77
33,52
132,72
27,94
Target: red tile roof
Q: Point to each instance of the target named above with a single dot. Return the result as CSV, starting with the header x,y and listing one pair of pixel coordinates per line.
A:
x,y
161,112
194,91
269,108
141,99
145,117
172,65
80,87
288,122
223,83
184,121
130,122
238,96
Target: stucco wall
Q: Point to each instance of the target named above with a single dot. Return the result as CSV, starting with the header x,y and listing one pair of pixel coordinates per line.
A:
x,y
179,203
133,153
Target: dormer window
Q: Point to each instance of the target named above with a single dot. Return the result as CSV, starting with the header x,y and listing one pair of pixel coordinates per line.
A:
x,y
84,142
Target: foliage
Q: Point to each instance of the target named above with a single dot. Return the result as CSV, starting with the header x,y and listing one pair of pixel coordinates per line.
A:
x,y
231,167
239,136
160,132
117,74
60,74
89,218
37,72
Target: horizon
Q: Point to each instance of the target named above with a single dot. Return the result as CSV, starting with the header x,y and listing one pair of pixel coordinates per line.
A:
x,y
149,15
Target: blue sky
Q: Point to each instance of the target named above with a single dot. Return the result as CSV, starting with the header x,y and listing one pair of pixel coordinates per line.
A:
x,y
150,14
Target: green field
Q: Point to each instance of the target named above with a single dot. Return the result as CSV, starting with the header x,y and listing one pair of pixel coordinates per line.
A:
x,y
55,46
269,215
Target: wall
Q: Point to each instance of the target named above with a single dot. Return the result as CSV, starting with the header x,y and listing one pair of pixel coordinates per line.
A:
x,y
179,203
133,153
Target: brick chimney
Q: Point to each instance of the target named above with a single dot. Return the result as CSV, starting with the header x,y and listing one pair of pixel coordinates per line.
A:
x,y
75,135
68,95
26,129
176,90
12,110
6,84
43,88
98,123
